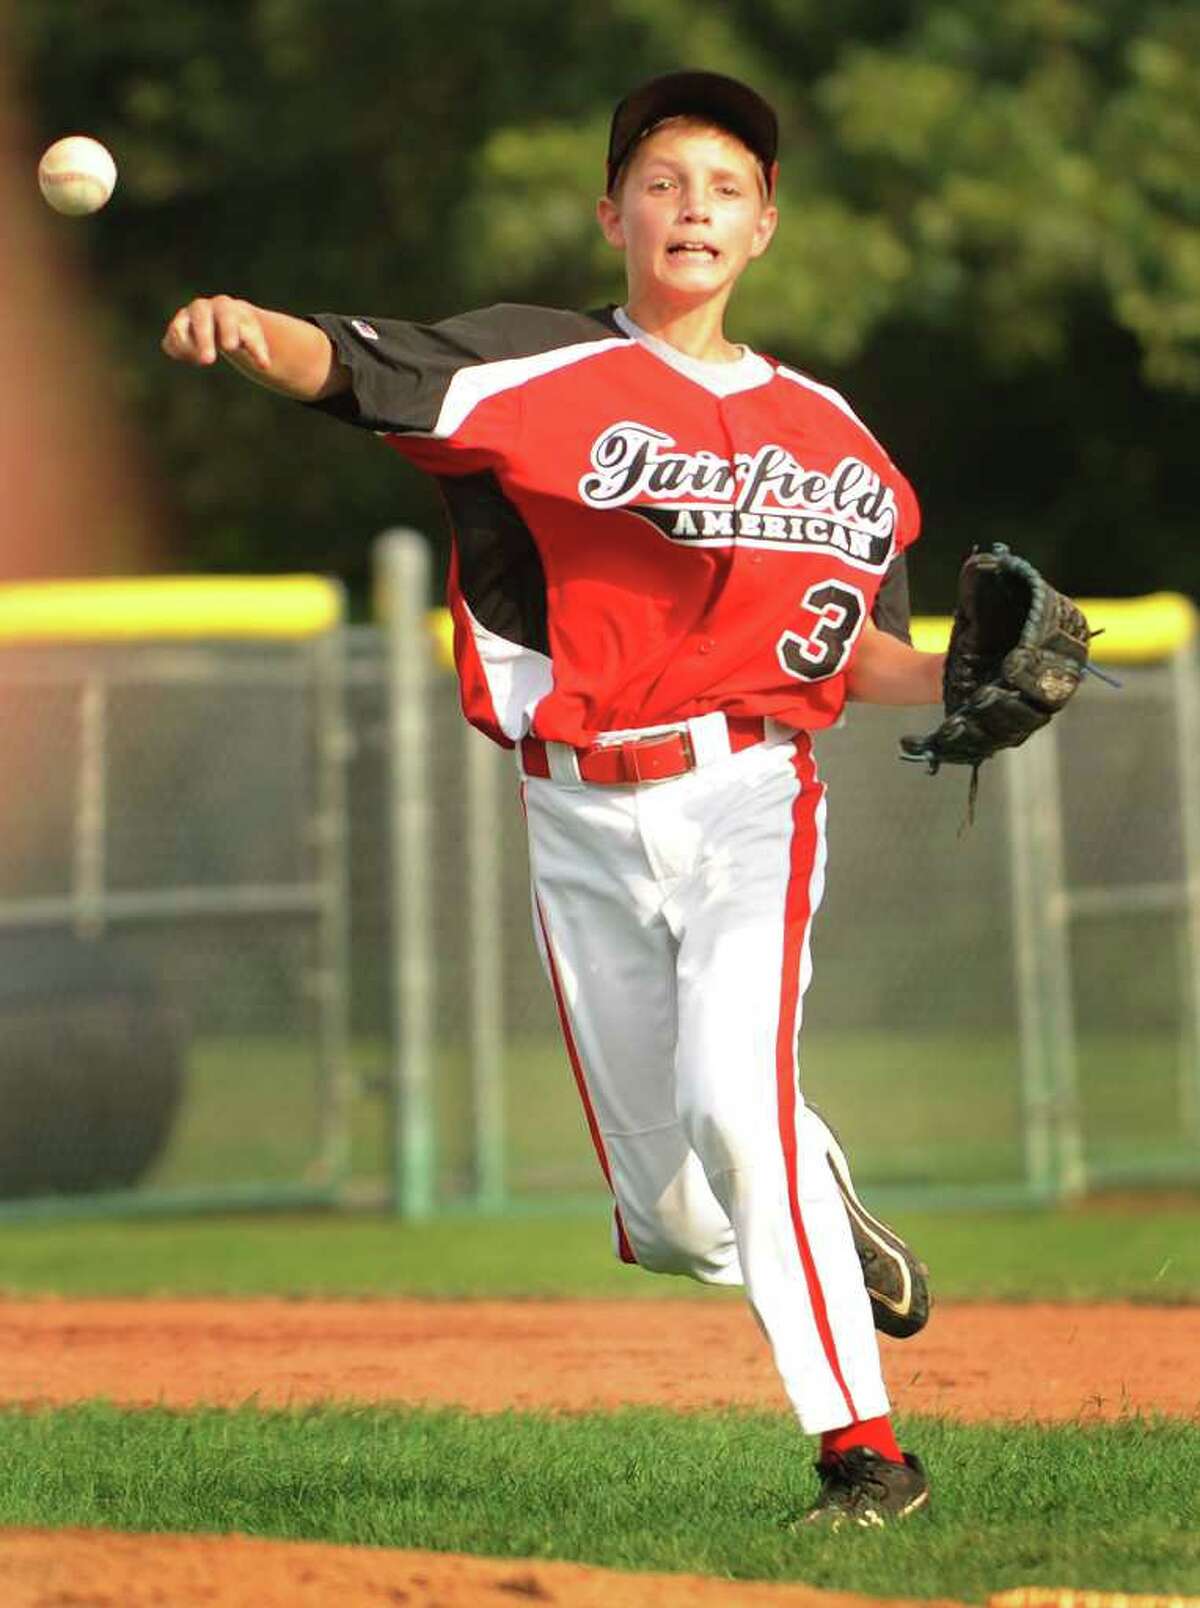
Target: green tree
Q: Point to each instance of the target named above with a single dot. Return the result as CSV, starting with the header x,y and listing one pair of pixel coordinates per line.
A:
x,y
990,238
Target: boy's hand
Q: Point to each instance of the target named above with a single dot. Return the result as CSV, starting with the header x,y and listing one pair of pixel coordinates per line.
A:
x,y
218,326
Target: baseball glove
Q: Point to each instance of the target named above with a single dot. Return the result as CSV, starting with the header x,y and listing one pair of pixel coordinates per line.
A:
x,y
1018,650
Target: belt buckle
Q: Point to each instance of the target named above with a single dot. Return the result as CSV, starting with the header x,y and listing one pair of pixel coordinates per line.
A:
x,y
631,750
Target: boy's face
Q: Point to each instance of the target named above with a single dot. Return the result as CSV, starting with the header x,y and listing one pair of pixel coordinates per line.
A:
x,y
689,212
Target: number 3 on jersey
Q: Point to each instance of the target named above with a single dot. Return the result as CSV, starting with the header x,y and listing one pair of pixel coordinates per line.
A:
x,y
840,611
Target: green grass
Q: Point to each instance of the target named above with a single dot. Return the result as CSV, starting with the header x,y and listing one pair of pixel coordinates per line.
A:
x,y
1094,1253
919,1111
251,1114
916,1109
1110,1506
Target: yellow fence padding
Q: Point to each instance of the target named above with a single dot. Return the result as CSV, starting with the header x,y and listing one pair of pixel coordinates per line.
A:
x,y
169,606
1135,630
1139,630
441,625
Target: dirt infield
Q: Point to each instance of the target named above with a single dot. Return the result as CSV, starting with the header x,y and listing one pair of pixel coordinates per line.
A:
x,y
93,1569
974,1362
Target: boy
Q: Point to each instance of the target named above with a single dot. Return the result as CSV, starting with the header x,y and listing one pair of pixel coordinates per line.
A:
x,y
670,556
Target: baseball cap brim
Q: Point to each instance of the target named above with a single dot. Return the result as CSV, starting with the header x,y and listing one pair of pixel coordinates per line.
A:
x,y
723,101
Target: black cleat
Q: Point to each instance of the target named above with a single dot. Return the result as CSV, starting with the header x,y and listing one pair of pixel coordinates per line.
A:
x,y
861,1489
897,1282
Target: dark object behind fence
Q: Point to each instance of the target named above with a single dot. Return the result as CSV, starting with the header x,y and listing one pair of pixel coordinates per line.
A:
x,y
92,1066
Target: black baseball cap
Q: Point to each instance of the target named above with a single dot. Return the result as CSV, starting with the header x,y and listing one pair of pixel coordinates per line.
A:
x,y
723,101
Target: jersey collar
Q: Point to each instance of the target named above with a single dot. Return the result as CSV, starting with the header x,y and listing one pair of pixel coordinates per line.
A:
x,y
722,379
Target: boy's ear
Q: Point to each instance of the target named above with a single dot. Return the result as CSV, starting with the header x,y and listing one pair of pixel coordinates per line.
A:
x,y
609,215
764,232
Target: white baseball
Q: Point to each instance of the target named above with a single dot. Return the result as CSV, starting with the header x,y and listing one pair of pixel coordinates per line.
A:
x,y
76,175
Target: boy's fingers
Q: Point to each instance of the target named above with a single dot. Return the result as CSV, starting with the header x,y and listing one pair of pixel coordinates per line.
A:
x,y
247,335
227,319
217,325
238,329
200,318
255,341
177,342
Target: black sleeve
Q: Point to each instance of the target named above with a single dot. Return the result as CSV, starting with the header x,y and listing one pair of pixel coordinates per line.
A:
x,y
400,372
893,612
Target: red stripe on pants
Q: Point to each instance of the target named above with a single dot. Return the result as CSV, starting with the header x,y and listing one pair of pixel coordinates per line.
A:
x,y
624,1248
797,916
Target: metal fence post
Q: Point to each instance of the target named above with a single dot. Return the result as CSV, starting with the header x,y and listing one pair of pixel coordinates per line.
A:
x,y
481,762
1070,1179
1185,676
402,571
1025,881
331,832
1050,1106
91,808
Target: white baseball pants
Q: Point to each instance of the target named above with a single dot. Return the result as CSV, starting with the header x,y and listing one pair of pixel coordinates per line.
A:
x,y
674,919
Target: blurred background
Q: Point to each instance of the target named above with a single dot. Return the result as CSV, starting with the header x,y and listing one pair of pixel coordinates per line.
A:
x,y
990,240
242,960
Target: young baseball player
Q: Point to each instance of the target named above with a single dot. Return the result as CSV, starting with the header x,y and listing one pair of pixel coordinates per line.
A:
x,y
673,559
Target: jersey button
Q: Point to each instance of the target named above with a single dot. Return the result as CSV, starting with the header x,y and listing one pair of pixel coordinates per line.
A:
x,y
706,646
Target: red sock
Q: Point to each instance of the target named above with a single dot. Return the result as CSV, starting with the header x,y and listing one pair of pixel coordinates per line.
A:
x,y
873,1432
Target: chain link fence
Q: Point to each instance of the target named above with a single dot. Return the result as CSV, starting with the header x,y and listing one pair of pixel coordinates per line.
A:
x,y
1000,1012
173,964
265,938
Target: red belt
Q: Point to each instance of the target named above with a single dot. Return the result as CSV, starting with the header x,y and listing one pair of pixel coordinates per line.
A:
x,y
641,759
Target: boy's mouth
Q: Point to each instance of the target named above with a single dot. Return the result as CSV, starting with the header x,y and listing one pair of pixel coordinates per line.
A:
x,y
693,248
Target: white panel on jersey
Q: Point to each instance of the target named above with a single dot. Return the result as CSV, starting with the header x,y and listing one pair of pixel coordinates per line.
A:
x,y
473,385
518,678
830,395
721,379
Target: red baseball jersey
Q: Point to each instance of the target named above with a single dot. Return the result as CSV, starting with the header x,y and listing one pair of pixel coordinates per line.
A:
x,y
637,537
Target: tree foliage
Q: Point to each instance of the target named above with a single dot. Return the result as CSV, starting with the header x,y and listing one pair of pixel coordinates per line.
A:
x,y
990,236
